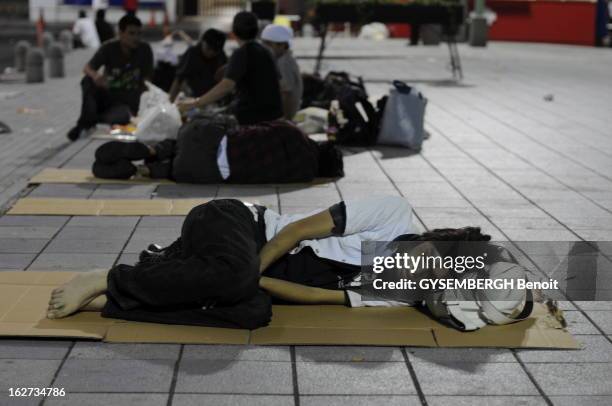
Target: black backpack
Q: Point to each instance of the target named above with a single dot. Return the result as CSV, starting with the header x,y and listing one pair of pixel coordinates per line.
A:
x,y
362,118
331,162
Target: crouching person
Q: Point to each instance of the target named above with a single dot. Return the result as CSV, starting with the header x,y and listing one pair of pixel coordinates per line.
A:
x,y
208,152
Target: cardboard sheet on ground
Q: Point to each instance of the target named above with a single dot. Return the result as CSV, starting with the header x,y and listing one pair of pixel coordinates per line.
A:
x,y
67,175
24,296
104,207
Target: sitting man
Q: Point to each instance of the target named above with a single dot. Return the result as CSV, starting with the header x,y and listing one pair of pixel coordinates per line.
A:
x,y
252,72
199,65
278,38
111,97
213,152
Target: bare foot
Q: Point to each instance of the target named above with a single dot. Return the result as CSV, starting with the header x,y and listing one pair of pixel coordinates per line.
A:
x,y
96,305
77,293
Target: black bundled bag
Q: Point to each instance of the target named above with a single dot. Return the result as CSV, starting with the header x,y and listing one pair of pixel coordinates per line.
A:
x,y
362,119
331,163
320,92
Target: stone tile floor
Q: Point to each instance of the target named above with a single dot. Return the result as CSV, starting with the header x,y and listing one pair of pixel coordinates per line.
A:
x,y
499,156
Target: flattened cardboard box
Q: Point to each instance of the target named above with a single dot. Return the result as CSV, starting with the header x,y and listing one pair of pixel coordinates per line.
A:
x,y
24,296
65,175
104,207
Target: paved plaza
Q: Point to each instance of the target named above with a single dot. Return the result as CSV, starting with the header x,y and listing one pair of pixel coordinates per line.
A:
x,y
522,148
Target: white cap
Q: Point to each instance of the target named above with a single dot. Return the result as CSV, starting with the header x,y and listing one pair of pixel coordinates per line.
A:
x,y
277,33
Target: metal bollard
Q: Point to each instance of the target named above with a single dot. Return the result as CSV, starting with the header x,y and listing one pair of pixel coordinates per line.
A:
x,y
35,61
21,50
65,38
47,39
56,60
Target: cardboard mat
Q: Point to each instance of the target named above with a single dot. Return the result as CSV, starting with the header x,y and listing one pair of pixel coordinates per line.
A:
x,y
104,207
24,297
61,175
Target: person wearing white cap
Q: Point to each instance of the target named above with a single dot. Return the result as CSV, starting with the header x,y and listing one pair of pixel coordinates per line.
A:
x,y
278,39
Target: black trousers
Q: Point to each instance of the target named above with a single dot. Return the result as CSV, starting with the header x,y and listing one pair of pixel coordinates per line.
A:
x,y
211,280
98,107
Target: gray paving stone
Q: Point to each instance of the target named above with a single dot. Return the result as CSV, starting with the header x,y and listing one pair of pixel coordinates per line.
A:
x,y
33,349
231,400
185,191
453,355
99,350
595,349
602,318
33,221
236,353
91,375
123,192
36,232
395,400
462,378
162,221
22,245
578,324
486,401
573,379
115,399
594,305
6,399
85,246
60,262
346,354
95,233
15,261
216,376
581,400
26,373
63,190
128,259
103,221
354,378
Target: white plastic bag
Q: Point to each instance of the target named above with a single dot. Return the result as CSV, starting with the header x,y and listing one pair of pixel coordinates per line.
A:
x,y
311,120
158,118
403,119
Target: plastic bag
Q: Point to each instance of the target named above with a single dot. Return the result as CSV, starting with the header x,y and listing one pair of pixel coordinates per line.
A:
x,y
403,118
311,120
158,118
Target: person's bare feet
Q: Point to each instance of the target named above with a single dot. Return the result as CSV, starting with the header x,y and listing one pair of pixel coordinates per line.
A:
x,y
96,305
76,294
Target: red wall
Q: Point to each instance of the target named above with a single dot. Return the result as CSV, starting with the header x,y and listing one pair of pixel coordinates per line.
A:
x,y
563,22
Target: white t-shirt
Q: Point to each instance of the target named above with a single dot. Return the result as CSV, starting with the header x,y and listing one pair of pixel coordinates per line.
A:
x,y
85,29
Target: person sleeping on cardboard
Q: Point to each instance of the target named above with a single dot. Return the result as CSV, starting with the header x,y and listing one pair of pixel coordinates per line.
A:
x,y
230,253
210,152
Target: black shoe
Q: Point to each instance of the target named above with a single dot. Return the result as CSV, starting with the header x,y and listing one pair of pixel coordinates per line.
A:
x,y
75,133
114,151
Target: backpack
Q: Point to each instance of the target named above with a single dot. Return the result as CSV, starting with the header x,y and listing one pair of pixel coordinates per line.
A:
x,y
361,127
331,163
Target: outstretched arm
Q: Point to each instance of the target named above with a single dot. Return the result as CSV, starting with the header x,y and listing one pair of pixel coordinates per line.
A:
x,y
316,226
296,293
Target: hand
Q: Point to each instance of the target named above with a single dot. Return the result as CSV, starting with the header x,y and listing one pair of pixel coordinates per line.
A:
x,y
100,81
187,104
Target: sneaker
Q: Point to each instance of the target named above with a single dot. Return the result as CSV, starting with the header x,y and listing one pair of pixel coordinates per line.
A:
x,y
76,133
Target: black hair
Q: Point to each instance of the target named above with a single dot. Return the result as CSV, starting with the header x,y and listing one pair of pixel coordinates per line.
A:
x,y
215,39
128,20
82,14
245,25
